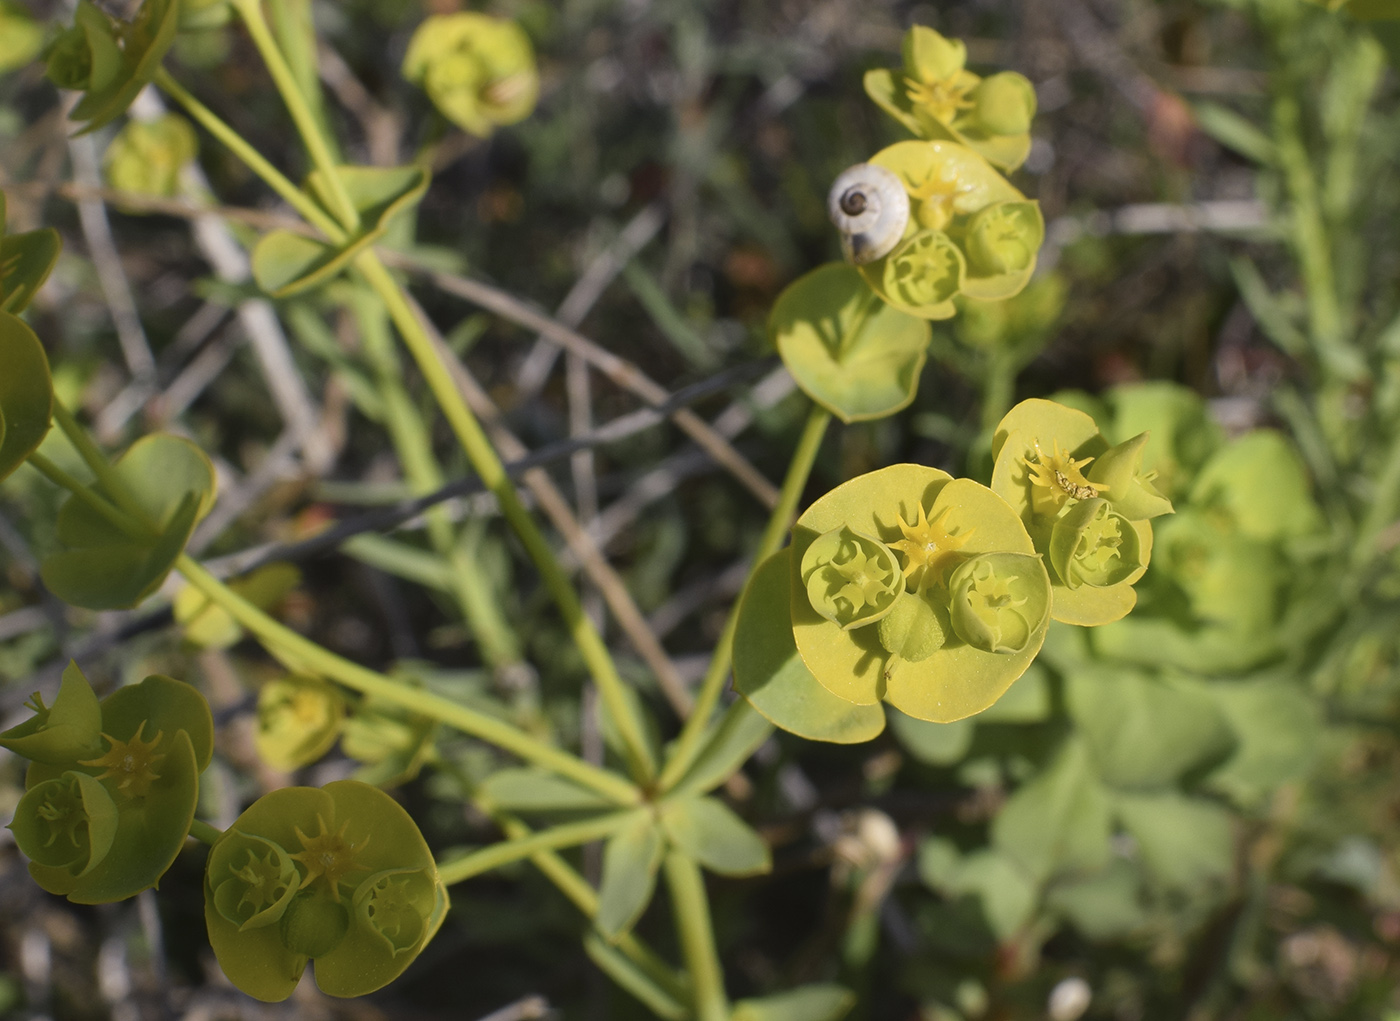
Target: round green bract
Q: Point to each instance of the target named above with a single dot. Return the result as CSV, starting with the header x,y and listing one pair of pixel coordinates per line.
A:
x,y
851,579
112,85
66,824
1118,471
958,679
357,928
1003,242
253,880
299,719
856,356
1092,544
103,568
1000,602
1004,103
769,672
146,157
61,734
26,393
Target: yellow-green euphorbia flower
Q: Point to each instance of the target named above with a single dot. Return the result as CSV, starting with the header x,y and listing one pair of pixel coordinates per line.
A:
x,y
479,71
112,786
918,589
339,875
936,97
146,156
1085,504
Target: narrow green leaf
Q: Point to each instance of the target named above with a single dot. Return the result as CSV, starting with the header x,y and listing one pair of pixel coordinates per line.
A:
x,y
630,861
738,735
522,789
1235,133
621,970
824,1002
710,832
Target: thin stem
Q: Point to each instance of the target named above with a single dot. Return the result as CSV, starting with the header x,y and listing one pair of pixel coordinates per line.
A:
x,y
97,462
688,744
376,685
202,831
129,525
552,839
302,117
697,938
235,143
488,466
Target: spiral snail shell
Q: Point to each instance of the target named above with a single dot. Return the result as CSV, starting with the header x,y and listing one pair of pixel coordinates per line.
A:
x,y
870,208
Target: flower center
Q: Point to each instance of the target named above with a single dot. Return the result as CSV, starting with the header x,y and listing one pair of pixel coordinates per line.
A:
x,y
132,764
1056,479
929,548
329,855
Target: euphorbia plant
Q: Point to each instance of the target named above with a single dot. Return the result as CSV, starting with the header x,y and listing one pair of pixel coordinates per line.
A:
x,y
904,586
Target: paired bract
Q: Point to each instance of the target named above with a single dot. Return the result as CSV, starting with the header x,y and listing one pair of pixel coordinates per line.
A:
x,y
112,785
339,875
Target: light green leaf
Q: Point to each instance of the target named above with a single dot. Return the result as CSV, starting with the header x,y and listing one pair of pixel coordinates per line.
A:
x,y
1184,842
630,861
710,832
1260,482
1104,906
60,734
851,353
21,39
823,1002
1279,729
1007,895
1059,821
937,744
1144,732
145,41
771,676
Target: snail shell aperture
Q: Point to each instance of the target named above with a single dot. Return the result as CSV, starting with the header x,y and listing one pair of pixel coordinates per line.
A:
x,y
870,208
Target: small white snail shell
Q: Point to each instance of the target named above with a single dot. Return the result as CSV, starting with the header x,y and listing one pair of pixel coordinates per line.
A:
x,y
870,208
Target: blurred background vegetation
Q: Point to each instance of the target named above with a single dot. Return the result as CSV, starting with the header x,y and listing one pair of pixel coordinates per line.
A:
x,y
1233,856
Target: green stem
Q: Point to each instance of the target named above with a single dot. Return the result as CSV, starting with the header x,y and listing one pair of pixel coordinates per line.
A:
x,y
129,525
469,584
1326,321
376,685
488,466
697,938
552,839
302,117
688,744
235,143
202,831
1381,510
